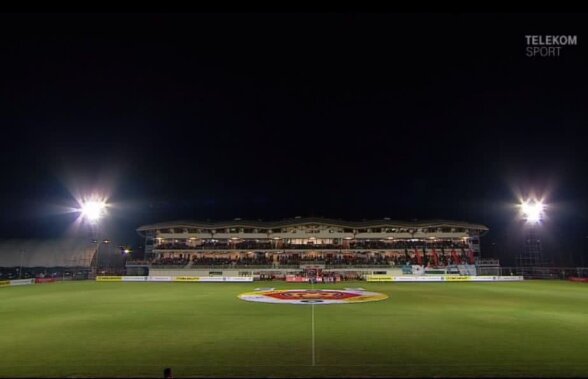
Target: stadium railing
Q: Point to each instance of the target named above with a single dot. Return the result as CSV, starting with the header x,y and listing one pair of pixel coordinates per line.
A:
x,y
175,267
359,266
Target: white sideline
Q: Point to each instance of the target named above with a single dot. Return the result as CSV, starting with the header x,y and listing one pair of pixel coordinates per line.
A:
x,y
312,328
313,355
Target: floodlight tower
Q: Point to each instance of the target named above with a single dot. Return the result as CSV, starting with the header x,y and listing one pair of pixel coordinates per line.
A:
x,y
92,211
532,212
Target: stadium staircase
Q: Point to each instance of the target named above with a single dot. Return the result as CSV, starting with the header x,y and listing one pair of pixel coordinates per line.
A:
x,y
189,265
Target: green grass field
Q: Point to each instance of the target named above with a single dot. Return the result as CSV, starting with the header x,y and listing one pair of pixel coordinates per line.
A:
x,y
89,329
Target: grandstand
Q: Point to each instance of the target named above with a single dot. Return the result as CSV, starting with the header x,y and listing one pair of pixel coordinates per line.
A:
x,y
296,246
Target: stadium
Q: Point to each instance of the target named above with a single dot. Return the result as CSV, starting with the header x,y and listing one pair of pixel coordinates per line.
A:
x,y
303,297
340,194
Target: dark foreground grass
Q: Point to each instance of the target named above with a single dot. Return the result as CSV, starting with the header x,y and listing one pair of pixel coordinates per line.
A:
x,y
89,329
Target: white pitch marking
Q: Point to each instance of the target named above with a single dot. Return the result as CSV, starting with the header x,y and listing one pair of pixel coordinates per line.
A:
x,y
313,355
312,328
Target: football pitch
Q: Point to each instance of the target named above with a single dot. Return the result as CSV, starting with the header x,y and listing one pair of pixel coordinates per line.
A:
x,y
90,329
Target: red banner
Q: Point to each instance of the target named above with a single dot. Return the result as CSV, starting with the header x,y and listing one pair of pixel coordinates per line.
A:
x,y
575,279
435,257
472,257
456,258
44,280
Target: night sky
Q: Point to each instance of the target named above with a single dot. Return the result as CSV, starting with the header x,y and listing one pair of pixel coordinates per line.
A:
x,y
271,116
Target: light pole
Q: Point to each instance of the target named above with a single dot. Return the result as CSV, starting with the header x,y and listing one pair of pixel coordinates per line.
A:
x,y
20,269
532,212
583,251
92,211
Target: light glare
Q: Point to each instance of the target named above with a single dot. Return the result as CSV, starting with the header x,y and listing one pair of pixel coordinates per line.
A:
x,y
532,211
93,210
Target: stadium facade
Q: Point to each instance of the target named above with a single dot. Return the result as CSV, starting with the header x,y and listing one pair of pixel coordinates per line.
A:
x,y
302,243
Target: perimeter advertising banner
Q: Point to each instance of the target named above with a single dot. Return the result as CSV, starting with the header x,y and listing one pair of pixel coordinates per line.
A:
x,y
16,282
509,278
134,278
174,278
186,279
226,279
45,280
159,279
418,278
379,278
296,279
447,278
457,278
109,278
238,278
484,278
212,279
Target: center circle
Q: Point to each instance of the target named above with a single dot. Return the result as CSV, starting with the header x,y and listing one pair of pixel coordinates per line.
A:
x,y
323,296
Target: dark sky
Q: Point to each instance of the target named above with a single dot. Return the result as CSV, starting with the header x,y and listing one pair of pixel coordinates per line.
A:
x,y
268,116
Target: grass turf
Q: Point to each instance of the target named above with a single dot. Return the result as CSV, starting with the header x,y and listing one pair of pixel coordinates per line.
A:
x,y
89,329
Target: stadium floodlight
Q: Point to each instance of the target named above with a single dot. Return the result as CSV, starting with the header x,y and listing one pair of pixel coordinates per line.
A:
x,y
93,210
532,211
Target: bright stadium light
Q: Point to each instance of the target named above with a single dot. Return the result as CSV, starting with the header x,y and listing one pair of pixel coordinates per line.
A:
x,y
532,211
93,210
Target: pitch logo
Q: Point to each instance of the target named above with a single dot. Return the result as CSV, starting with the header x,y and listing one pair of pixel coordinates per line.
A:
x,y
347,296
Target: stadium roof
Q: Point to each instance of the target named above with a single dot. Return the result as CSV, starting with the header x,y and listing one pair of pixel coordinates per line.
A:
x,y
46,253
314,220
